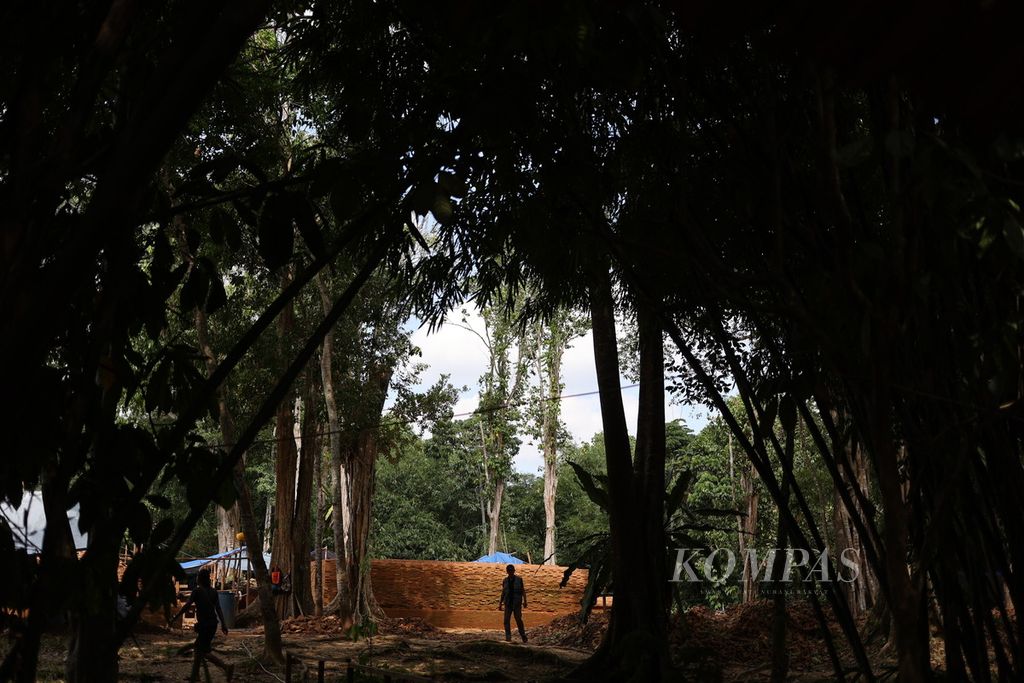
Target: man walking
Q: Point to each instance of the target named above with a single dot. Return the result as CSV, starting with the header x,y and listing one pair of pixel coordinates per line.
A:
x,y
208,611
513,600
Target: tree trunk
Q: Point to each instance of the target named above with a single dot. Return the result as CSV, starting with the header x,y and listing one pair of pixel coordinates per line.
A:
x,y
93,648
92,655
22,660
228,523
268,614
294,471
301,584
639,618
227,520
780,658
318,535
748,529
491,508
649,471
286,461
907,607
549,366
494,516
860,593
363,468
550,490
268,517
339,476
241,514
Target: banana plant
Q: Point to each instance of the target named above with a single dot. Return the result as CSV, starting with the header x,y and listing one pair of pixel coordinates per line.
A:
x,y
593,552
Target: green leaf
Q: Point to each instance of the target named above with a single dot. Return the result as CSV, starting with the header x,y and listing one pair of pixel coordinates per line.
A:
x,y
598,579
787,413
1014,235
675,497
346,198
442,209
162,531
232,232
305,218
226,493
573,566
276,236
194,291
593,491
139,523
196,492
715,512
158,394
216,297
162,258
451,184
224,166
771,409
326,177
194,240
421,200
219,225
245,212
159,502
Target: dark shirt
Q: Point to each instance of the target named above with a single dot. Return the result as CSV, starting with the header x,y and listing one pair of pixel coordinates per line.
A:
x,y
205,600
518,590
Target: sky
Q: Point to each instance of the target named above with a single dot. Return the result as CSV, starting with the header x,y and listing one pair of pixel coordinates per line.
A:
x,y
462,355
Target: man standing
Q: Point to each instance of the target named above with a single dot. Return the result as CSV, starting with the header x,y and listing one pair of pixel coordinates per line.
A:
x,y
513,600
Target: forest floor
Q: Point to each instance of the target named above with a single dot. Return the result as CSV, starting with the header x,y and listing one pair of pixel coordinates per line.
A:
x,y
734,645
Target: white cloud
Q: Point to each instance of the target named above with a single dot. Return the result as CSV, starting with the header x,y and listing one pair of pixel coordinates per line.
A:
x,y
454,351
462,355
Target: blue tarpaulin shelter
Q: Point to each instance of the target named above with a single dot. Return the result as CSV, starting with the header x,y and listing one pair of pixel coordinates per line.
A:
x,y
193,566
500,558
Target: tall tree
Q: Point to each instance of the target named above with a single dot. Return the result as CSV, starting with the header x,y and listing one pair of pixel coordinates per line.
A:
x,y
366,363
787,179
239,517
288,535
550,339
500,414
339,476
636,492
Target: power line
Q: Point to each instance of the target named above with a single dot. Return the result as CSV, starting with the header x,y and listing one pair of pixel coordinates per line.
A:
x,y
395,423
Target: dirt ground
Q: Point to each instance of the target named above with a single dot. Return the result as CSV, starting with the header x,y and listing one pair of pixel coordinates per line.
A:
x,y
712,646
449,655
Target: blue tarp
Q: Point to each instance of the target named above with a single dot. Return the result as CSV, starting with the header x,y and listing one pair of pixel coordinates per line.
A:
x,y
500,558
194,565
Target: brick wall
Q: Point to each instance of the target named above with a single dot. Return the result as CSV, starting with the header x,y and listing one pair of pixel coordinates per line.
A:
x,y
464,594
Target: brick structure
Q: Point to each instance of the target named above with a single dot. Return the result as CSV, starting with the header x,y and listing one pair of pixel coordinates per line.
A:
x,y
465,594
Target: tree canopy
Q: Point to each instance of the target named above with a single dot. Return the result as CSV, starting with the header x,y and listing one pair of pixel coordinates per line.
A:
x,y
819,204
